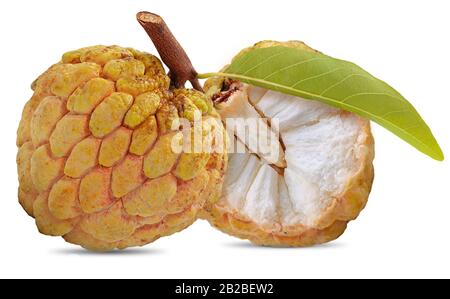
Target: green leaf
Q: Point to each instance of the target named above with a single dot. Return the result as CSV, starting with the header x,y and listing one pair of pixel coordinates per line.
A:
x,y
339,83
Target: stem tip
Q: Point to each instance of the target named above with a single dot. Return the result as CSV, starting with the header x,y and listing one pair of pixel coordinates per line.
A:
x,y
171,52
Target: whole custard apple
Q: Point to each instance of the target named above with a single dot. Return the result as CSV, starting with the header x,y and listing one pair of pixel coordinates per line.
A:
x,y
95,158
306,188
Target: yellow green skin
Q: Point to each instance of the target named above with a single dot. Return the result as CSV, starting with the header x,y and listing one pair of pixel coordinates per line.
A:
x,y
95,164
333,221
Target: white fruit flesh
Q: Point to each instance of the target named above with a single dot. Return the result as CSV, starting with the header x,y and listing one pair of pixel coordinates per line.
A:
x,y
321,148
238,107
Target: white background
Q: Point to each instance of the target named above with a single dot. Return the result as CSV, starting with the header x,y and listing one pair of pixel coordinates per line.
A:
x,y
404,230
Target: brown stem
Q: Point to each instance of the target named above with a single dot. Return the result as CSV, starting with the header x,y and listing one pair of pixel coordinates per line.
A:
x,y
171,52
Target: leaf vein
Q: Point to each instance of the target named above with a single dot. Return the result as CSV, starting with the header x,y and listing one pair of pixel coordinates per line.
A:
x,y
395,111
370,93
294,65
343,80
316,76
264,61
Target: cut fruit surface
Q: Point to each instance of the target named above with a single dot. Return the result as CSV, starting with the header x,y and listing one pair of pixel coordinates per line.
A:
x,y
314,177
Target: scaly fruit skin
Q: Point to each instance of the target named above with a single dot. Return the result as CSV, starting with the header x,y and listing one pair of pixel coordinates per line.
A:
x,y
333,221
95,162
